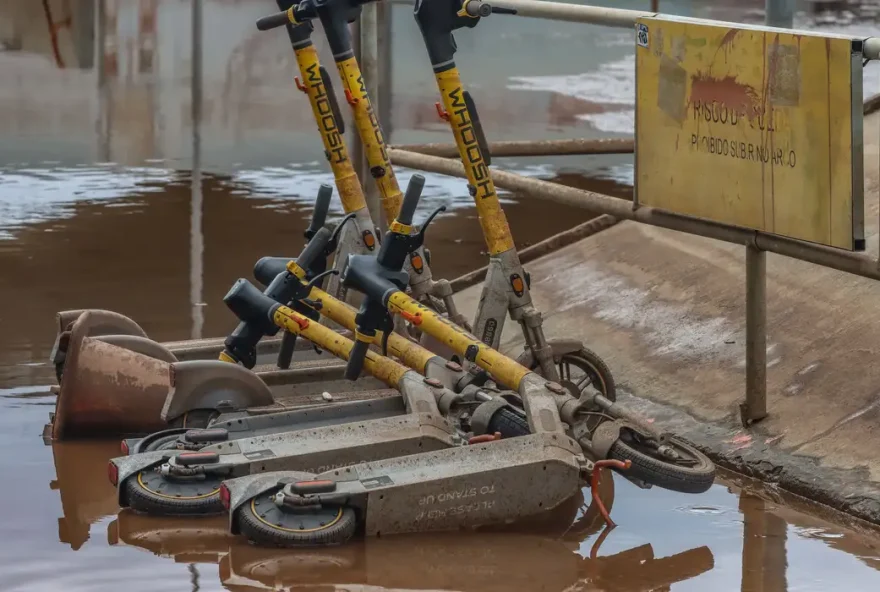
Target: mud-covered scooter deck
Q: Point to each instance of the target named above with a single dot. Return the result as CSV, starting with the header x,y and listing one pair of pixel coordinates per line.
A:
x,y
237,444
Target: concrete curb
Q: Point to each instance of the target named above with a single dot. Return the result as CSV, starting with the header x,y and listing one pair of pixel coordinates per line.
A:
x,y
748,453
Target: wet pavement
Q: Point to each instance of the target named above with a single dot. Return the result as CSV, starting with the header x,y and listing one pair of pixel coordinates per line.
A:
x,y
100,207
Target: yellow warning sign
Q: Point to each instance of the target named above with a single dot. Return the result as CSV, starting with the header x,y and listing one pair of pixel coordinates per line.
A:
x,y
751,126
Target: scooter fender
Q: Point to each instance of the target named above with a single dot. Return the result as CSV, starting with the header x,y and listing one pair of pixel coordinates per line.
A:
x,y
206,384
135,445
128,466
560,348
243,489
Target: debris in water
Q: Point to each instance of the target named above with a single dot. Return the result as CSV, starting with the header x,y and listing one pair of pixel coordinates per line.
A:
x,y
740,439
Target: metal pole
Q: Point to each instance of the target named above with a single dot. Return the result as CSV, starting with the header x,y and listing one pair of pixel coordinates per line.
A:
x,y
854,263
578,13
755,407
356,149
578,146
369,61
779,13
102,118
383,109
196,240
655,5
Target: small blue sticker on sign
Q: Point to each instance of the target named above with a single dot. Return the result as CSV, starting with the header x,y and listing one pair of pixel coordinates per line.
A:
x,y
642,35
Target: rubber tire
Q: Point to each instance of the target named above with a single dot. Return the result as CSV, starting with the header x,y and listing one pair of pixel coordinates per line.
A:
x,y
697,479
262,534
146,502
599,367
509,424
162,443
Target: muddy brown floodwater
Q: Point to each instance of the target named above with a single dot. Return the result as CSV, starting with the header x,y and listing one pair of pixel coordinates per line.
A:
x,y
100,207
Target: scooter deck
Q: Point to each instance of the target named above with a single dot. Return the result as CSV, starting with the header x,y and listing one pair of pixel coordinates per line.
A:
x,y
296,400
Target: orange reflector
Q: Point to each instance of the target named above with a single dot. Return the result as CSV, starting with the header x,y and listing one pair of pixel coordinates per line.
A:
x,y
225,496
369,240
113,473
415,319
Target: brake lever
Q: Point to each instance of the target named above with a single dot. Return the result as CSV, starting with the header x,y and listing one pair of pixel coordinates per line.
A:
x,y
334,238
427,222
315,280
316,304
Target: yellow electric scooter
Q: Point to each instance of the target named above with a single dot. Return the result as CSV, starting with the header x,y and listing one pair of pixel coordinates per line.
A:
x,y
510,479
506,288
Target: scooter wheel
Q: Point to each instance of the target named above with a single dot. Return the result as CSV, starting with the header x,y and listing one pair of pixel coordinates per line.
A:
x,y
264,523
696,477
592,366
163,443
148,492
508,424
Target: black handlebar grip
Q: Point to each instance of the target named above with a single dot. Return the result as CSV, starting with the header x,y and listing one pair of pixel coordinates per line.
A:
x,y
322,205
411,199
241,344
249,304
356,360
315,248
273,21
268,268
285,354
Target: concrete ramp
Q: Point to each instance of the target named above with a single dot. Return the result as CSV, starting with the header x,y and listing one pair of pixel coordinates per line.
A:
x,y
667,312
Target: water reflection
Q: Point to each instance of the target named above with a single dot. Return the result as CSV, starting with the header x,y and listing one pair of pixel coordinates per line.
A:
x,y
764,561
82,484
196,264
447,561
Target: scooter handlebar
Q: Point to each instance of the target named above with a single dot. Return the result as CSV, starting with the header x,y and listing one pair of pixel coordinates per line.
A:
x,y
273,21
411,199
268,268
322,206
356,357
254,311
249,304
315,248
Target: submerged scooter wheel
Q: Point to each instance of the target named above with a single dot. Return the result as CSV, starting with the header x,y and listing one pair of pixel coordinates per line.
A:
x,y
264,523
149,492
694,473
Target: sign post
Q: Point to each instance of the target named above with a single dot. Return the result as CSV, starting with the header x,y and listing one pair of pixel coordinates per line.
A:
x,y
753,127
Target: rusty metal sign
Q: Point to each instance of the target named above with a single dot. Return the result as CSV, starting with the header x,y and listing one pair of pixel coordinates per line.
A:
x,y
751,126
